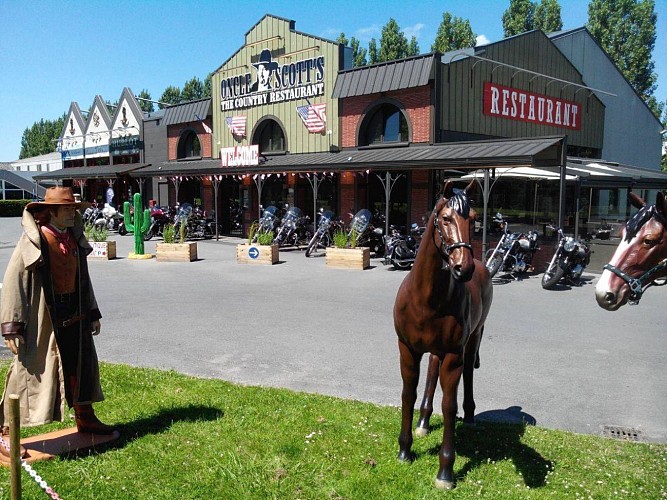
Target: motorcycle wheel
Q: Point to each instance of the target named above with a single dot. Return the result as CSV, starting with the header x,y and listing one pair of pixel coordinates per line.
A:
x,y
149,234
494,265
552,275
401,265
122,230
312,245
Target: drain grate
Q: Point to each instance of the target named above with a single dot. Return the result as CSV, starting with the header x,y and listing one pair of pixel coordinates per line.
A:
x,y
623,433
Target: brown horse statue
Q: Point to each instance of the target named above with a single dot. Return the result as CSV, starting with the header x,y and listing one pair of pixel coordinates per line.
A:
x,y
639,260
440,309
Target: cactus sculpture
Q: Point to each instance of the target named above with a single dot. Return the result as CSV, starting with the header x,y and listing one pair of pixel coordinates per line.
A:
x,y
142,221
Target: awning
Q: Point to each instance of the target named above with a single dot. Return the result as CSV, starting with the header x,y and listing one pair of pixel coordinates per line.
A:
x,y
541,151
22,180
94,172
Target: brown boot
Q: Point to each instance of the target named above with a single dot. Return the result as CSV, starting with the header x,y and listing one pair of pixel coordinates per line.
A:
x,y
5,450
86,421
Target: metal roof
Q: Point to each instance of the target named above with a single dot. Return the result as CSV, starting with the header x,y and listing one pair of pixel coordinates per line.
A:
x,y
384,77
22,180
542,151
94,172
187,112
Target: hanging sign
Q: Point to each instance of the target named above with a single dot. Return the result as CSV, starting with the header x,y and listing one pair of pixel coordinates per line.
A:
x,y
239,156
516,104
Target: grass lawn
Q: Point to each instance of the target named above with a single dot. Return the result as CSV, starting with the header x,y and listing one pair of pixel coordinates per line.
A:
x,y
190,438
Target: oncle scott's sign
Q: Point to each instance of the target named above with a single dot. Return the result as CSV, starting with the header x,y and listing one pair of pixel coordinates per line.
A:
x,y
273,83
239,156
516,104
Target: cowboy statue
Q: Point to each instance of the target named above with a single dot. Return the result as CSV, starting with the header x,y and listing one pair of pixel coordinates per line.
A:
x,y
48,316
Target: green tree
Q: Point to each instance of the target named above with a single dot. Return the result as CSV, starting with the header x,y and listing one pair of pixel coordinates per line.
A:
x,y
518,18
111,106
393,44
373,55
626,30
41,138
453,33
547,16
358,53
342,39
171,95
207,85
146,106
413,47
193,89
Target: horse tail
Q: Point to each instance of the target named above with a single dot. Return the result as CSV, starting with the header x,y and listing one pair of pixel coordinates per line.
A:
x,y
481,334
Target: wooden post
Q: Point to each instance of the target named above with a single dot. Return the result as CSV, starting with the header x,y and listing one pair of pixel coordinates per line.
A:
x,y
15,446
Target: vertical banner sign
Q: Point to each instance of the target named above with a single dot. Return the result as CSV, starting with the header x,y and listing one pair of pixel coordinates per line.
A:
x,y
516,104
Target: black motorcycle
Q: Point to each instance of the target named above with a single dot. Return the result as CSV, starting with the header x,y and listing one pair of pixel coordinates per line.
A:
x,y
366,235
323,236
194,220
514,252
294,229
401,250
267,222
159,218
569,260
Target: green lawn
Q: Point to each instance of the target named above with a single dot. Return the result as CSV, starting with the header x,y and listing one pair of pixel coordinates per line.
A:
x,y
187,438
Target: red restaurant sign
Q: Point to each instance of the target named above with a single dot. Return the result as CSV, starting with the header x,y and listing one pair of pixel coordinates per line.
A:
x,y
239,156
515,104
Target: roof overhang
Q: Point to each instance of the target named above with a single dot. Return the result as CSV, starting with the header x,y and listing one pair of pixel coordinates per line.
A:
x,y
94,172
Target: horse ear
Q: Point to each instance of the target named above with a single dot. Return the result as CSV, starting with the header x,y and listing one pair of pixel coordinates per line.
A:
x,y
448,189
470,187
661,204
636,201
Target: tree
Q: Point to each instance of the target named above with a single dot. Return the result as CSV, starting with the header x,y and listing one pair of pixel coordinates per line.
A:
x,y
358,53
146,106
111,106
207,85
547,16
342,39
518,18
171,95
413,47
41,138
453,33
193,89
393,44
373,55
626,30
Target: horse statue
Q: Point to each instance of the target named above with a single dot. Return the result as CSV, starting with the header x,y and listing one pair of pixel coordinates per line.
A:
x,y
639,260
440,309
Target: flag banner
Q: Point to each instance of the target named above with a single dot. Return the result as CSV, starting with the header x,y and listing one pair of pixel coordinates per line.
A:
x,y
236,125
313,117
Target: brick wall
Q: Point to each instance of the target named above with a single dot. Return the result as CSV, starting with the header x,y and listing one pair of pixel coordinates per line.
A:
x,y
419,199
416,102
205,139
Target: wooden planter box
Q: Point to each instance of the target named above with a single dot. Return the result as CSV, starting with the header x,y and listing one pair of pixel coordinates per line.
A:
x,y
176,252
102,250
349,258
257,254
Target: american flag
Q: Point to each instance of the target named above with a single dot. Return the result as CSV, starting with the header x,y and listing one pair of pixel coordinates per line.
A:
x,y
313,116
236,125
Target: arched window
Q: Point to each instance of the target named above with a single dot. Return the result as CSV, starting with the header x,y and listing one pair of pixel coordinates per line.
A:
x,y
188,145
270,137
385,124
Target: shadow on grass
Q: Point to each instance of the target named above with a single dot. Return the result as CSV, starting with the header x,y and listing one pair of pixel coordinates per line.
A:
x,y
497,437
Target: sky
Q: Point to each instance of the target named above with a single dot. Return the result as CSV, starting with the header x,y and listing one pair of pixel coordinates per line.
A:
x,y
54,53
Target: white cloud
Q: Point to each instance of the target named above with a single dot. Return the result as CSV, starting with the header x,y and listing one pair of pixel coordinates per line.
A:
x,y
365,34
411,31
331,33
482,40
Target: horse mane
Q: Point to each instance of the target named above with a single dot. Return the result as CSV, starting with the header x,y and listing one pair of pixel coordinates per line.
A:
x,y
459,202
636,222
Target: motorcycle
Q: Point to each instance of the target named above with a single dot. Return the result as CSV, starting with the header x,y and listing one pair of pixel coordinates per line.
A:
x,y
323,236
159,218
293,229
111,219
569,260
401,250
514,251
196,225
90,214
366,234
267,222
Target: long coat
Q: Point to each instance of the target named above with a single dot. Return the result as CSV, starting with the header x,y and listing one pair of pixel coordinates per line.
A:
x,y
36,372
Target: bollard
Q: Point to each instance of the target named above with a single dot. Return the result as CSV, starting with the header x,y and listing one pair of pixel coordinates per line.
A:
x,y
15,445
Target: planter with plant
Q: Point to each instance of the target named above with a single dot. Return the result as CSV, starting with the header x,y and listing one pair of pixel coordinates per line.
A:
x,y
263,251
345,254
174,247
103,249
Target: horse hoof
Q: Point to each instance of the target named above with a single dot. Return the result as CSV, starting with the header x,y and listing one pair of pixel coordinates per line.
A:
x,y
421,431
406,457
469,422
443,484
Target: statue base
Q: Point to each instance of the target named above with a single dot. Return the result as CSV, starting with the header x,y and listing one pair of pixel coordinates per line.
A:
x,y
62,442
139,256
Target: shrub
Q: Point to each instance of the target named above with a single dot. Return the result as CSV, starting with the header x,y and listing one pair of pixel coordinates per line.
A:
x,y
253,229
354,238
340,239
169,233
95,234
12,208
265,237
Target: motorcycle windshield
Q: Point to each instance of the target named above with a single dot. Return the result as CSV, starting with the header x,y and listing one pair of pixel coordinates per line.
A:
x,y
184,211
361,220
292,215
269,213
325,218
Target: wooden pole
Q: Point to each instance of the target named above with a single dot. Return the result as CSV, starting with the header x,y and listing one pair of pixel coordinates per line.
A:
x,y
15,446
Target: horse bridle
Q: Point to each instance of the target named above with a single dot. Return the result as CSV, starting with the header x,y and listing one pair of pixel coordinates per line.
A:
x,y
639,285
444,249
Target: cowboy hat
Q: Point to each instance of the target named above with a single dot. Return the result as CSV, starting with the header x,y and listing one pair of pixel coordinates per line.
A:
x,y
57,196
265,60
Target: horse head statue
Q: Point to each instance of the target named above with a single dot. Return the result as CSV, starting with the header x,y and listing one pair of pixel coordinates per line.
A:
x,y
453,222
640,259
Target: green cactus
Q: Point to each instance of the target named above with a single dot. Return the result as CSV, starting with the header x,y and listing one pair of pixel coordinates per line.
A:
x,y
142,221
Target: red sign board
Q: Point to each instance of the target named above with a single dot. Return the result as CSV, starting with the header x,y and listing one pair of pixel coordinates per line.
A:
x,y
516,104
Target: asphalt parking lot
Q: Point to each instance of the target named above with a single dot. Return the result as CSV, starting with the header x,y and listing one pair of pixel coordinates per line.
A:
x,y
553,358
